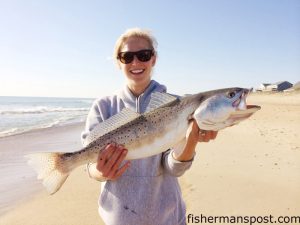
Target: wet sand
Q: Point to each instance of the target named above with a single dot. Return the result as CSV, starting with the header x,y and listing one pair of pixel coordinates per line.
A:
x,y
250,169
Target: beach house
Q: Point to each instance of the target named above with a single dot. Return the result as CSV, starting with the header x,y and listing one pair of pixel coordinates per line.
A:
x,y
262,87
279,86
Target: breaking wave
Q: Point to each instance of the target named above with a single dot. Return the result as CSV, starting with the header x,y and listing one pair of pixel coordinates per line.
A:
x,y
23,114
59,122
40,109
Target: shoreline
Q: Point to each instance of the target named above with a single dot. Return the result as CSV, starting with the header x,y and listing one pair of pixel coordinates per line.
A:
x,y
14,170
35,130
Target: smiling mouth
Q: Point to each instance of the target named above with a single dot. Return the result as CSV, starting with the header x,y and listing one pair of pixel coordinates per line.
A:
x,y
137,72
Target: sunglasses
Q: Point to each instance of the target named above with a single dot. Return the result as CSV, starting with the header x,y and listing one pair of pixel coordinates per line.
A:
x,y
142,55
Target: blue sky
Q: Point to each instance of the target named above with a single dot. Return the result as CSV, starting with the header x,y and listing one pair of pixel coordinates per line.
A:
x,y
64,48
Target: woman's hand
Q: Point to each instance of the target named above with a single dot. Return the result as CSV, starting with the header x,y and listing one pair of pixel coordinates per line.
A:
x,y
108,165
193,135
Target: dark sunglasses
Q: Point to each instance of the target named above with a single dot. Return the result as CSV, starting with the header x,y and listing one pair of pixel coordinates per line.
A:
x,y
142,55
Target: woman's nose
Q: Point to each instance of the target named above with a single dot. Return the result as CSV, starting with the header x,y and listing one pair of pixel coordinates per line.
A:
x,y
135,60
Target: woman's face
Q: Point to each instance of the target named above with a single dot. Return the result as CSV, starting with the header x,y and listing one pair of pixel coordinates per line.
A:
x,y
137,73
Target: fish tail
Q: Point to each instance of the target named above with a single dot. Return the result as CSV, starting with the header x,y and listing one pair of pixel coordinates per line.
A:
x,y
50,168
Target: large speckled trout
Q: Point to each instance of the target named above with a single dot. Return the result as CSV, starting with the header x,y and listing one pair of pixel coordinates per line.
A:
x,y
161,127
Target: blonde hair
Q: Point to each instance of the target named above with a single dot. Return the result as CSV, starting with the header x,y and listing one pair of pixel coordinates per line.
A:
x,y
134,32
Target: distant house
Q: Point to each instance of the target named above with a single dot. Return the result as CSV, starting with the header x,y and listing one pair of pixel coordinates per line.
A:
x,y
262,87
296,86
279,86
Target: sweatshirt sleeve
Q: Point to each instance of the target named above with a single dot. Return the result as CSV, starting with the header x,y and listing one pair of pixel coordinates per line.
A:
x,y
173,166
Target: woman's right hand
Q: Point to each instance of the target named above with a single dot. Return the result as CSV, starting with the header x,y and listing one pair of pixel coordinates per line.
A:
x,y
108,165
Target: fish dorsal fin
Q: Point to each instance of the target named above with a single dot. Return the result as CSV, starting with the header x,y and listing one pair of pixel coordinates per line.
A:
x,y
159,99
112,123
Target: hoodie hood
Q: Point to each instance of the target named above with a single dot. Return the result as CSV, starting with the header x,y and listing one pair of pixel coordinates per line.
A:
x,y
140,103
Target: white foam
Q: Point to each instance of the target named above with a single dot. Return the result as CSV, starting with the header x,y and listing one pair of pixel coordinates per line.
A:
x,y
41,109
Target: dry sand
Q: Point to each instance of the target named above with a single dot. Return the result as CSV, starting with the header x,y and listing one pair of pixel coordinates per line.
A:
x,y
250,169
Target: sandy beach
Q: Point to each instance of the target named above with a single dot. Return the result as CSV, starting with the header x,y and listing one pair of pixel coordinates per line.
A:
x,y
252,169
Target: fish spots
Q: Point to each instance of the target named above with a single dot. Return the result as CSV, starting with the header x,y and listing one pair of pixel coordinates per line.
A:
x,y
68,154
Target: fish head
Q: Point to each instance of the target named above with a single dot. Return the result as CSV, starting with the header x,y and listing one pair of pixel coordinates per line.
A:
x,y
224,109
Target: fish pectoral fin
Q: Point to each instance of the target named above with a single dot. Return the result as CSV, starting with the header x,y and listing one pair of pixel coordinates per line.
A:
x,y
159,99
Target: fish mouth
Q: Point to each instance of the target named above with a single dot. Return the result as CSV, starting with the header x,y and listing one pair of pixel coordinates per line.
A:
x,y
241,99
241,115
249,109
243,110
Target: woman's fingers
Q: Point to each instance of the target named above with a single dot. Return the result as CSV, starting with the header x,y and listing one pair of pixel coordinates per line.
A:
x,y
113,159
115,162
110,160
104,155
121,170
207,135
214,134
119,159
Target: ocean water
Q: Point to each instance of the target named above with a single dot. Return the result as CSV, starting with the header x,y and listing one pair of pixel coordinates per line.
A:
x,y
23,114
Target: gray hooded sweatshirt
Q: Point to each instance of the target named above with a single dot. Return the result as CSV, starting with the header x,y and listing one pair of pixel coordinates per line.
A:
x,y
148,192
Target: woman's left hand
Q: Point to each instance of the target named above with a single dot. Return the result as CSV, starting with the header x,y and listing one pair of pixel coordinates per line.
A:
x,y
195,134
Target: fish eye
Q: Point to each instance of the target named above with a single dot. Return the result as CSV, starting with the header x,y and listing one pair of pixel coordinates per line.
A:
x,y
231,94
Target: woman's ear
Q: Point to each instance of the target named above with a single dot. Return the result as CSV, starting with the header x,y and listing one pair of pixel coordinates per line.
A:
x,y
153,60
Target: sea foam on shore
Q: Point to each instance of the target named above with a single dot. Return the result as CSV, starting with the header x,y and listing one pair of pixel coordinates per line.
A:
x,y
23,114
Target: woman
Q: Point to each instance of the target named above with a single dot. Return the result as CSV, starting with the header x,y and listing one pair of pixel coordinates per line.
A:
x,y
144,191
